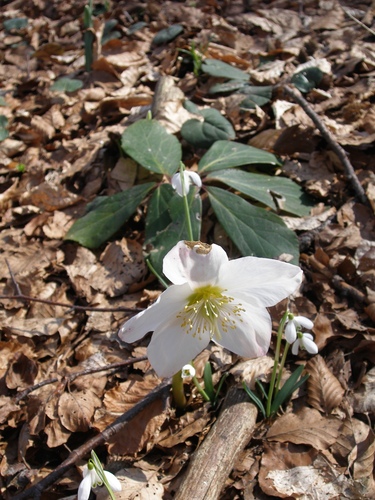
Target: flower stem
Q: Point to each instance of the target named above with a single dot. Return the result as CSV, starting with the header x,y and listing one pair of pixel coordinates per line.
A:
x,y
99,470
178,390
276,363
154,271
281,367
186,204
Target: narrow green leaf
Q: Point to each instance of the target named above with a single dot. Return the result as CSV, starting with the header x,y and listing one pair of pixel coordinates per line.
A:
x,y
278,193
220,69
227,154
254,398
168,34
291,385
106,216
208,385
66,85
253,230
148,143
3,128
204,134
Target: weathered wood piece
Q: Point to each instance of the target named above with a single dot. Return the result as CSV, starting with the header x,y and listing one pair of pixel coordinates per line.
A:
x,y
212,463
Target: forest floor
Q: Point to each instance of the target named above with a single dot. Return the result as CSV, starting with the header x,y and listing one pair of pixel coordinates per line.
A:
x,y
65,376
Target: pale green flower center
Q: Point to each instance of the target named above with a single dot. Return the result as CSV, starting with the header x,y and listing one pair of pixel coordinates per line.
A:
x,y
207,308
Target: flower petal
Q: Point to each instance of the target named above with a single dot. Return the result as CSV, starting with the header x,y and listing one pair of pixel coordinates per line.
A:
x,y
194,178
260,281
305,322
295,347
290,332
177,184
170,302
171,347
194,263
252,333
114,483
84,488
309,345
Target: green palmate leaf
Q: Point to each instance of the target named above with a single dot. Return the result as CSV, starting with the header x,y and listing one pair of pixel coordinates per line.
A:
x,y
256,96
158,216
106,215
176,230
220,69
307,79
66,85
168,34
135,27
278,193
16,24
253,230
3,128
148,143
227,154
204,134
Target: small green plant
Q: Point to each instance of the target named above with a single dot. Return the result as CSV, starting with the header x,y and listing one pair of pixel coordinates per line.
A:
x,y
196,56
88,36
269,402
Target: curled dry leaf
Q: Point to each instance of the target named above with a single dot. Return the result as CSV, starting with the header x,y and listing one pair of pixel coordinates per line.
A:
x,y
306,427
324,390
250,370
21,372
363,400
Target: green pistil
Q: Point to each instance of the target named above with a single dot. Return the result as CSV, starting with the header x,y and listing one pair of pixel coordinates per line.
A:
x,y
206,309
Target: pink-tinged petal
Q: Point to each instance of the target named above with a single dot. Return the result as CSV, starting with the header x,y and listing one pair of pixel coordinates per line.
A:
x,y
309,345
260,281
84,488
113,482
171,347
194,263
251,334
290,332
170,302
303,321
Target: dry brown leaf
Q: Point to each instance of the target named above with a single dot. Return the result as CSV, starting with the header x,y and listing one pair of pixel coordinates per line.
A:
x,y
306,427
56,434
324,390
76,409
21,372
363,399
250,370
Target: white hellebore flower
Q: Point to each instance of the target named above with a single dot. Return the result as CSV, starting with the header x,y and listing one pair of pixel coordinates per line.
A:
x,y
190,177
188,371
305,341
294,325
91,479
212,298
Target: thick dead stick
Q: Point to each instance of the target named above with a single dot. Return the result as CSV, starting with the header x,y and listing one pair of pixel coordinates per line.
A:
x,y
213,461
160,392
336,148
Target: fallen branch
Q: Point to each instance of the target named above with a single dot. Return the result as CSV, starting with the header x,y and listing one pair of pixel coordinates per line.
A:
x,y
340,152
35,491
212,463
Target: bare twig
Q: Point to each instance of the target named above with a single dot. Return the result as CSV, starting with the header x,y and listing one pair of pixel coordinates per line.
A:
x,y
340,152
35,491
348,13
114,367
